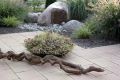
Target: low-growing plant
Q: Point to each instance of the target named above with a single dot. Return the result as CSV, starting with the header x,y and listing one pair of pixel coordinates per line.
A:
x,y
82,33
11,21
49,44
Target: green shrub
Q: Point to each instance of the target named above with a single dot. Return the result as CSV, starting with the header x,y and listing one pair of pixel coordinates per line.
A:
x,y
105,22
37,9
13,8
82,33
80,9
77,9
49,44
11,21
35,5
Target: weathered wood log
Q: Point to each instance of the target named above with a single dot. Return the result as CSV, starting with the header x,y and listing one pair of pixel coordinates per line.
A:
x,y
33,59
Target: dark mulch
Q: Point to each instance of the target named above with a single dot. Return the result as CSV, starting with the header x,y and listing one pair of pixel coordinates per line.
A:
x,y
91,43
6,30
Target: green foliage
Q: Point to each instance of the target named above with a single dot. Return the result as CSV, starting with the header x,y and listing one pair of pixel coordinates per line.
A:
x,y
83,33
35,5
37,9
77,9
12,8
49,44
81,9
11,21
106,21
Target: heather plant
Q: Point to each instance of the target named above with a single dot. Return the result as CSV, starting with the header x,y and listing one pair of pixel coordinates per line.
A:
x,y
49,44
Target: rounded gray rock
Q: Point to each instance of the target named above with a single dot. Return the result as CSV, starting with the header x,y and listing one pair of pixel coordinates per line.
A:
x,y
32,17
72,25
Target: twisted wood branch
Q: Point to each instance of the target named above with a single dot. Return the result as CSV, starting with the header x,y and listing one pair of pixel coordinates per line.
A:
x,y
33,59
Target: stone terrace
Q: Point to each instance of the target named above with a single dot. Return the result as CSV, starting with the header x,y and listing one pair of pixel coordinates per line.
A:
x,y
107,57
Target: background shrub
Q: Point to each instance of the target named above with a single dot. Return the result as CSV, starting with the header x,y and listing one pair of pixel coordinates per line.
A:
x,y
49,44
15,8
105,22
77,9
11,21
80,9
35,5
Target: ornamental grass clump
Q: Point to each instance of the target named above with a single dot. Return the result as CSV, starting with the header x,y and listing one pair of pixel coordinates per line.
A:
x,y
11,22
77,9
49,44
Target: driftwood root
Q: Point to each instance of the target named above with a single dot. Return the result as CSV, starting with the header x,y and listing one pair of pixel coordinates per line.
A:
x,y
65,66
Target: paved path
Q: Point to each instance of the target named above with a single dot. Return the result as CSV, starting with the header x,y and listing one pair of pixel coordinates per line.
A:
x,y
107,57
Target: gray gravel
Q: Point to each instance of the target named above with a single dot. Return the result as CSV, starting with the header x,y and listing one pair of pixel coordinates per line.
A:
x,y
31,27
35,27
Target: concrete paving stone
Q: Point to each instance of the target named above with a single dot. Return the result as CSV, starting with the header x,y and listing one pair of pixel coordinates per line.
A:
x,y
77,60
107,77
110,48
57,76
52,72
46,68
9,41
19,66
18,48
3,65
97,73
18,38
87,54
31,75
108,65
8,75
114,68
82,77
4,47
4,36
101,61
113,59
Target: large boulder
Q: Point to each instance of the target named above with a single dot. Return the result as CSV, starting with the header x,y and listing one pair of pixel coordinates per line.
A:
x,y
72,25
56,13
32,17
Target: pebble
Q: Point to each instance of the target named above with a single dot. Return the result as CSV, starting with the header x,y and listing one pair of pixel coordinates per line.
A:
x,y
34,27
